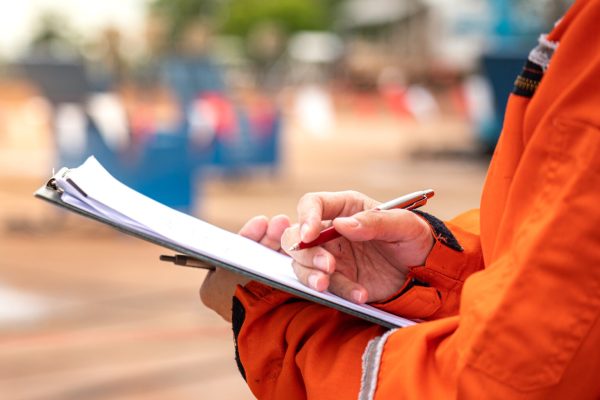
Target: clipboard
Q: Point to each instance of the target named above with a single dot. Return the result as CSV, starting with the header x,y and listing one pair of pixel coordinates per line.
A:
x,y
51,193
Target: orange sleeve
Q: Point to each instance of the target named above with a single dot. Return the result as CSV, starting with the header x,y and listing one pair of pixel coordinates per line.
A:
x,y
289,348
528,325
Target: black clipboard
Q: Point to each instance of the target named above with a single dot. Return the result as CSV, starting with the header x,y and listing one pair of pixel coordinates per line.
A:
x,y
52,194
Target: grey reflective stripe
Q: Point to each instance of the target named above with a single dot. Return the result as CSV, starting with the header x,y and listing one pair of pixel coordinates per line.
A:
x,y
543,52
371,360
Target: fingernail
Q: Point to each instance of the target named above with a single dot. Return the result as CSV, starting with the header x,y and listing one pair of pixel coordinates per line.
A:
x,y
357,296
350,222
313,280
320,261
304,231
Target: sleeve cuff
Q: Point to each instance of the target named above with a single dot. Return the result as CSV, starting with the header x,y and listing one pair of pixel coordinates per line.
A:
x,y
254,292
433,290
415,300
238,315
252,296
440,231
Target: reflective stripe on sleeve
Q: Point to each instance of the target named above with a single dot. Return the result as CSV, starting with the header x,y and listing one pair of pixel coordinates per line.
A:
x,y
371,360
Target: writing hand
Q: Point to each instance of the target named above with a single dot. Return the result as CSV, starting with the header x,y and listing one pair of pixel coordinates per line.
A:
x,y
372,258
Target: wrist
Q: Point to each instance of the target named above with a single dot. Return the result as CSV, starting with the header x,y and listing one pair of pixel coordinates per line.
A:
x,y
439,231
426,240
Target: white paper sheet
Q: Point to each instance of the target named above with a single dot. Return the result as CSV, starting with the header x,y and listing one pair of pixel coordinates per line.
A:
x,y
107,197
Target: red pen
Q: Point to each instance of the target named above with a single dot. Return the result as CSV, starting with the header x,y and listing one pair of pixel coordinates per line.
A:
x,y
410,201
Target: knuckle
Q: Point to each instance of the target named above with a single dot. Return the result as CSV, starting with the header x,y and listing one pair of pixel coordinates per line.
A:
x,y
277,225
352,193
289,235
260,218
336,285
357,195
308,198
300,271
372,218
312,199
280,217
272,244
307,204
353,196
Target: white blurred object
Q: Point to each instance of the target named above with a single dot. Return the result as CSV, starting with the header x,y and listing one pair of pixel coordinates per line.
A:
x,y
18,307
19,20
421,103
202,119
108,113
70,125
459,31
314,110
374,12
479,99
315,47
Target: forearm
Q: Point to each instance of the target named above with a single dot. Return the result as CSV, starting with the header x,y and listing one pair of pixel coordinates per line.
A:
x,y
294,349
503,345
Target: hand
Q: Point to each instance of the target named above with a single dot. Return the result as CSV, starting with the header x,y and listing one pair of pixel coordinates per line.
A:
x,y
372,258
219,286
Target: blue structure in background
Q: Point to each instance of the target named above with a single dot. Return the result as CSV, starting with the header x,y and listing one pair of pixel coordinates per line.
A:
x,y
161,169
233,157
190,78
501,69
512,37
166,166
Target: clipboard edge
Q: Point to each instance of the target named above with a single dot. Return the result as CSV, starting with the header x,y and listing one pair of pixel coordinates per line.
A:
x,y
53,196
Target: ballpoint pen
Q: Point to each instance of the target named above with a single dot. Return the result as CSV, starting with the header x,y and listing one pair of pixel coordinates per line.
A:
x,y
186,261
410,201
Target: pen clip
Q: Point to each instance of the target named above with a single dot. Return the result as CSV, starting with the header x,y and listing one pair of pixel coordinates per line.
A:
x,y
417,203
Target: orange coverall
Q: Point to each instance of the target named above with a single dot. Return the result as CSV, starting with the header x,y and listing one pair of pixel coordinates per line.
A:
x,y
513,315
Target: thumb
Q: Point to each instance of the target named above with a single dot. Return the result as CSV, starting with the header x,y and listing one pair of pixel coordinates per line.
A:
x,y
385,225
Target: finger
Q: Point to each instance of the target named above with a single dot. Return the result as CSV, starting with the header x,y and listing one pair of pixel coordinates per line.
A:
x,y
315,257
276,226
347,289
316,207
256,228
290,237
310,277
385,225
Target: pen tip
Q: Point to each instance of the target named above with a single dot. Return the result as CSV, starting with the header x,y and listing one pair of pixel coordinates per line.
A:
x,y
294,247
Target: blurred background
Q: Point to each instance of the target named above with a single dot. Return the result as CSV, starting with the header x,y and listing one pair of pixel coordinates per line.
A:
x,y
224,109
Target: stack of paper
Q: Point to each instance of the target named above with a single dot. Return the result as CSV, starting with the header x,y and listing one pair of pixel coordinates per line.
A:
x,y
92,189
